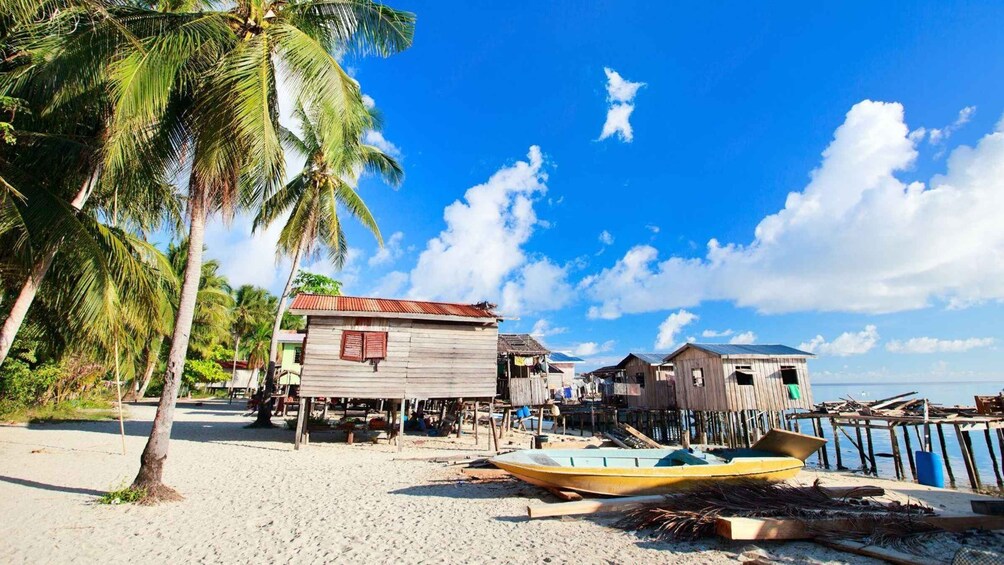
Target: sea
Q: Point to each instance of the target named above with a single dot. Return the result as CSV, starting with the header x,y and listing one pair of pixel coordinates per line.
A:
x,y
946,394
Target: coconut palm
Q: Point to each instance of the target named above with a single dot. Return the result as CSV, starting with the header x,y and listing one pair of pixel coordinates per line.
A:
x,y
252,306
312,199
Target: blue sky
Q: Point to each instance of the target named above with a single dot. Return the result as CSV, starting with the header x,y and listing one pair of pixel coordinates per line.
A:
x,y
602,246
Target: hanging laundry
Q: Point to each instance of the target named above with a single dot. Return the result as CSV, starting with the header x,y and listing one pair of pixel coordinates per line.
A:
x,y
793,392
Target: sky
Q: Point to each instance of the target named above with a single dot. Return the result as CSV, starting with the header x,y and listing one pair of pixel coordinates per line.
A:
x,y
624,177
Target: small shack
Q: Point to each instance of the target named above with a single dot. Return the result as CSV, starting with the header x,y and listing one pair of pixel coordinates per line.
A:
x,y
732,378
648,381
565,365
523,371
374,348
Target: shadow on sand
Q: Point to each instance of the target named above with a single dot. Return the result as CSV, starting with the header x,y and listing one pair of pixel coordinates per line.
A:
x,y
46,486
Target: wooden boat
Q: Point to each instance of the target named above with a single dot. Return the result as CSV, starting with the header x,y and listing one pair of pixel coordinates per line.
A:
x,y
778,456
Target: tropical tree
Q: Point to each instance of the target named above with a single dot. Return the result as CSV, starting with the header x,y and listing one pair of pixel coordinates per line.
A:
x,y
312,199
252,306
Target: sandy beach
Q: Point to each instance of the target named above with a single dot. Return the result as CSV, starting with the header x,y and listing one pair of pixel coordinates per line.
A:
x,y
250,498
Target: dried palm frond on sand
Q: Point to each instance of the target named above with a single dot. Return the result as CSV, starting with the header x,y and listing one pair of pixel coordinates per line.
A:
x,y
693,514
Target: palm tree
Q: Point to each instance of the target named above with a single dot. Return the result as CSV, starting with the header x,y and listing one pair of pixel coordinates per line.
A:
x,y
312,199
251,306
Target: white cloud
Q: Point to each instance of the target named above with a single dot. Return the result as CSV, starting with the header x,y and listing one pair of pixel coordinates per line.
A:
x,y
348,275
231,244
376,139
745,338
589,348
390,252
936,136
391,285
652,228
620,96
480,255
855,239
542,328
672,326
714,333
606,238
368,101
845,344
935,345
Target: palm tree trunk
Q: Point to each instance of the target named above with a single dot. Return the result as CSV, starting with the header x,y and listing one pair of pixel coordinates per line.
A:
x,y
19,309
152,355
265,406
154,455
233,371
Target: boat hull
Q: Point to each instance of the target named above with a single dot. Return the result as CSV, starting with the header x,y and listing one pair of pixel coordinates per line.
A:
x,y
632,482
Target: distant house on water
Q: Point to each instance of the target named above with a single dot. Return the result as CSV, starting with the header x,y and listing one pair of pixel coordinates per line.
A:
x,y
647,381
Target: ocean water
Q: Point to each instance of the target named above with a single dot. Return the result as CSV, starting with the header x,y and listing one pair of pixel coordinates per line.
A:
x,y
945,394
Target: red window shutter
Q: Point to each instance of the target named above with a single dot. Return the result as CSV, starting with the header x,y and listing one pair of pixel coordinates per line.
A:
x,y
352,345
375,345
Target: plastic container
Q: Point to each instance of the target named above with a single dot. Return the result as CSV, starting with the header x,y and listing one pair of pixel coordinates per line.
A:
x,y
930,470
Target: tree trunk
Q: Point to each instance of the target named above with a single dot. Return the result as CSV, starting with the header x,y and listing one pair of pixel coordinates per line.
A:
x,y
152,355
154,455
29,289
233,371
265,406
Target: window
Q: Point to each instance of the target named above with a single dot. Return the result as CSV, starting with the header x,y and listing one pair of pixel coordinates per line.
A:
x,y
374,345
359,346
789,375
640,379
744,375
298,355
352,345
698,376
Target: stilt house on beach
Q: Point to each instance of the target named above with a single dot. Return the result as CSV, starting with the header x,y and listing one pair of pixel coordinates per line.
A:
x,y
374,348
648,381
733,378
522,370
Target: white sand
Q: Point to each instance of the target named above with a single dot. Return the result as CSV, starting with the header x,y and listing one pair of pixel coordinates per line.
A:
x,y
251,498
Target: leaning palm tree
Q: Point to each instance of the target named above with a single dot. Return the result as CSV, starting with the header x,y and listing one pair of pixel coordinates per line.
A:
x,y
312,200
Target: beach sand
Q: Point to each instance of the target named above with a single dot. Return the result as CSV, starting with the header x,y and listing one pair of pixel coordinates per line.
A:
x,y
250,498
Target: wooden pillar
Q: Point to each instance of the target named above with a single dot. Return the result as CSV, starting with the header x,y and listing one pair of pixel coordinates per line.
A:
x,y
861,446
836,444
967,457
592,419
871,449
540,422
993,458
684,429
817,427
897,460
300,422
491,425
909,452
944,454
475,422
461,408
400,423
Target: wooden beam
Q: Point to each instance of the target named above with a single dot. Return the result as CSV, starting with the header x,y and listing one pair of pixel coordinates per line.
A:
x,y
485,473
794,528
566,495
878,552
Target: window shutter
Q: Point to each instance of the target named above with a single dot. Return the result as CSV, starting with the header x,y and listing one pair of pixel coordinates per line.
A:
x,y
375,345
352,345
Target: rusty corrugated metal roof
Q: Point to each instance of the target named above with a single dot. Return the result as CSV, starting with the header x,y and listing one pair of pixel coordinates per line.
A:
x,y
387,306
520,344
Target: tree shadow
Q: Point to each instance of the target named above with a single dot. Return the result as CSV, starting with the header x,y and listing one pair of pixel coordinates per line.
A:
x,y
45,486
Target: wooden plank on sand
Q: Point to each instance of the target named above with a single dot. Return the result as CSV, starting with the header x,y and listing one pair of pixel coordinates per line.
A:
x,y
878,552
485,473
793,528
566,495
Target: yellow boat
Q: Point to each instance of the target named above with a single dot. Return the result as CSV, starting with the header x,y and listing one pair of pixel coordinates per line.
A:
x,y
778,456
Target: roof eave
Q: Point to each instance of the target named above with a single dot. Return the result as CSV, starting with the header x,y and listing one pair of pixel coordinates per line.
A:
x,y
397,315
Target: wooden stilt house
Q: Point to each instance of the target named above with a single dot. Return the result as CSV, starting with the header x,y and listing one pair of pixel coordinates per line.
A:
x,y
523,370
732,378
373,348
648,381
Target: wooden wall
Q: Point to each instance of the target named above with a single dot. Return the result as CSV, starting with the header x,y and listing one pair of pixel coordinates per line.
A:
x,y
425,359
721,391
658,391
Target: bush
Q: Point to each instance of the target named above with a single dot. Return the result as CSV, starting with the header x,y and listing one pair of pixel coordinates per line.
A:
x,y
21,386
123,496
199,371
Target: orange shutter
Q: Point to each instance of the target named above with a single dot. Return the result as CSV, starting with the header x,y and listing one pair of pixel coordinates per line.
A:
x,y
375,345
352,345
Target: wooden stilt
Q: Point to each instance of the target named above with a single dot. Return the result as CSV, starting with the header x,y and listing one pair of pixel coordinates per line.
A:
x,y
400,423
300,419
817,427
491,425
897,461
871,449
967,458
909,453
861,446
993,458
592,419
836,445
475,422
944,454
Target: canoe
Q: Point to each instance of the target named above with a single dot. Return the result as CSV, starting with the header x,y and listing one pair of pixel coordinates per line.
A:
x,y
630,472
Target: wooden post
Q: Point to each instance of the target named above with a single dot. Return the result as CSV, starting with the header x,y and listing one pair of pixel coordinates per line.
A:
x,y
817,429
491,425
967,458
944,454
871,449
460,416
400,417
476,422
897,461
684,429
745,428
300,419
909,452
836,444
861,446
993,458
592,419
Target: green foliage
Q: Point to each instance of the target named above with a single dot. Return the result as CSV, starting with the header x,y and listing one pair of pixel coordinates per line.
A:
x,y
126,495
312,283
20,386
203,371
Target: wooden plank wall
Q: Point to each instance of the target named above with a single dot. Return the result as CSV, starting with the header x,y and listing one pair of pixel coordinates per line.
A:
x,y
424,360
528,391
710,397
767,393
656,392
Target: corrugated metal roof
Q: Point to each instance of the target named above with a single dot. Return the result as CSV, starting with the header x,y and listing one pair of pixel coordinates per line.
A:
x,y
290,336
652,358
558,357
320,302
727,349
521,344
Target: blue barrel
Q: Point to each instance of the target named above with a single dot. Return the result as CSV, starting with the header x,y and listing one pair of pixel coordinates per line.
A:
x,y
930,470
